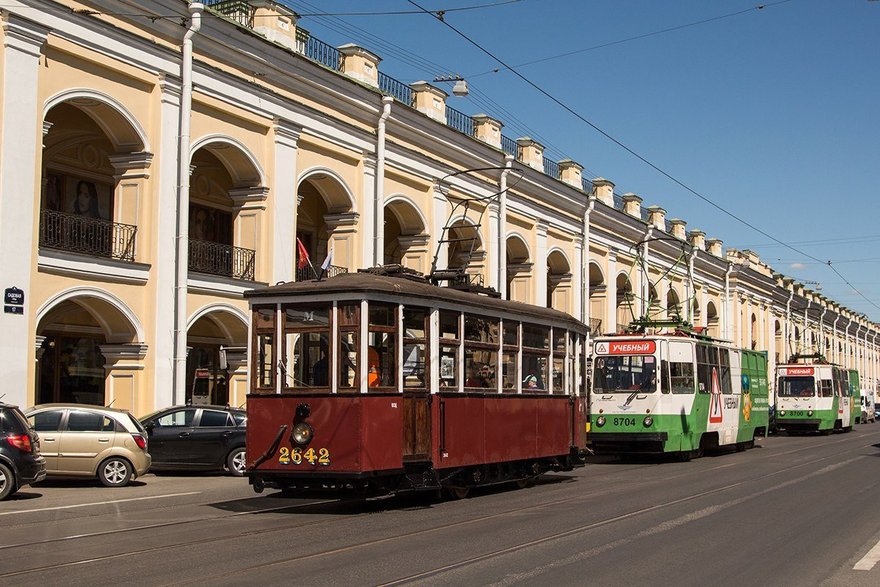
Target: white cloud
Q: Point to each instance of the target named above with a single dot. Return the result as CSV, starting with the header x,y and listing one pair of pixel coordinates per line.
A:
x,y
797,266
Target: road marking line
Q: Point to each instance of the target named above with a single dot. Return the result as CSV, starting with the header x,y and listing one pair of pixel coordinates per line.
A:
x,y
869,560
85,505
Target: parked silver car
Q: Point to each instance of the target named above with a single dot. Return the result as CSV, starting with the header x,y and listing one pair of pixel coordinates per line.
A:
x,y
80,440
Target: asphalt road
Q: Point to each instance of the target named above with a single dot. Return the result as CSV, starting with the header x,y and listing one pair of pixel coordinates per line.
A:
x,y
794,511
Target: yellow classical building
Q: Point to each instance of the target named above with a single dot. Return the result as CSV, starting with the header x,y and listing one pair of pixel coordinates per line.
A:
x,y
160,157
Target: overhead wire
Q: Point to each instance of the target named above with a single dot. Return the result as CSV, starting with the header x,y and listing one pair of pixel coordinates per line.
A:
x,y
637,155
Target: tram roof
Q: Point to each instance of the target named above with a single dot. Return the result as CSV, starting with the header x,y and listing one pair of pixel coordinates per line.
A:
x,y
361,285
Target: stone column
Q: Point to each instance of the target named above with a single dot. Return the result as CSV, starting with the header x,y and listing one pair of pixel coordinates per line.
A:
x,y
132,173
368,230
611,294
414,250
540,284
236,366
20,135
124,366
165,208
440,217
493,259
343,228
284,200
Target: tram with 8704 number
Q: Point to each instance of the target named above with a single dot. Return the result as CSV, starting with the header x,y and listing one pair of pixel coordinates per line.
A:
x,y
379,382
679,393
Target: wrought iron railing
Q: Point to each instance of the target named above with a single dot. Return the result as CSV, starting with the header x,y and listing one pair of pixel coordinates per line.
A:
x,y
323,53
551,168
307,273
88,236
218,259
586,185
238,10
509,146
396,89
459,121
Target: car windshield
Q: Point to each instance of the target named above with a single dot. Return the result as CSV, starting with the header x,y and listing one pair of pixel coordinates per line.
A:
x,y
625,374
795,387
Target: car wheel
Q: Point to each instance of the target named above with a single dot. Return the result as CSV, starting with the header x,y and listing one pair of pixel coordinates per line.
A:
x,y
115,472
7,482
236,462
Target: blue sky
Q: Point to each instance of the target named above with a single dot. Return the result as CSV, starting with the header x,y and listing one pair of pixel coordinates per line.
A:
x,y
772,114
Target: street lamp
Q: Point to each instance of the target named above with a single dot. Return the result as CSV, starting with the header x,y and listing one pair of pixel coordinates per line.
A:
x,y
460,88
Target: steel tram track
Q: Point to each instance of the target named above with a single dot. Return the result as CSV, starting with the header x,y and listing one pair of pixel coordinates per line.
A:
x,y
585,497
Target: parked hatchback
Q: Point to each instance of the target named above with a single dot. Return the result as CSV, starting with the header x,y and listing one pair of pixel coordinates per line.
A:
x,y
198,438
80,440
20,460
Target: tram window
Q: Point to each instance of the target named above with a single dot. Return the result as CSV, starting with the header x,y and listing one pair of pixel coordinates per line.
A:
x,y
414,322
559,340
481,329
510,333
415,330
383,314
449,324
534,372
381,363
724,372
307,359
348,361
704,369
625,374
349,315
265,361
448,371
558,374
825,389
480,368
264,349
508,372
795,387
681,377
537,337
307,315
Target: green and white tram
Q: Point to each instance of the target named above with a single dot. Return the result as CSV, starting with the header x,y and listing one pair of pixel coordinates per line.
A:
x,y
679,393
813,395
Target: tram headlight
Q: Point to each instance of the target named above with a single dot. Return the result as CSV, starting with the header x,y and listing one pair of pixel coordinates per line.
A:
x,y
648,421
781,412
809,412
302,433
600,421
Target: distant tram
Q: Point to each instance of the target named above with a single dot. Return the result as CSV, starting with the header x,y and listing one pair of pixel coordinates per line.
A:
x,y
679,393
813,395
378,382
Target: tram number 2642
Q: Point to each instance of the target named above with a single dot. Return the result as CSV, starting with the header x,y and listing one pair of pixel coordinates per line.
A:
x,y
298,456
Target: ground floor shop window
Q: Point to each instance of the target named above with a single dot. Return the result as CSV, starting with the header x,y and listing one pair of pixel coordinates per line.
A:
x,y
71,369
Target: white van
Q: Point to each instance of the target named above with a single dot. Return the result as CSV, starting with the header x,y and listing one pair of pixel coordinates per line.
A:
x,y
868,412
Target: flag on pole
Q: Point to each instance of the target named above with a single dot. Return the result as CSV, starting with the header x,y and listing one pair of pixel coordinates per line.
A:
x,y
326,264
302,253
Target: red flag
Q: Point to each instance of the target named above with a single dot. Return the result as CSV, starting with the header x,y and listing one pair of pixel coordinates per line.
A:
x,y
302,253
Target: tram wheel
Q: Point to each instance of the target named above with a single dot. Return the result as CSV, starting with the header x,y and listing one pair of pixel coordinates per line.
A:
x,y
684,456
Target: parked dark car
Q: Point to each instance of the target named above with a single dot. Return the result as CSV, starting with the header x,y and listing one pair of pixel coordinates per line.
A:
x,y
20,460
197,438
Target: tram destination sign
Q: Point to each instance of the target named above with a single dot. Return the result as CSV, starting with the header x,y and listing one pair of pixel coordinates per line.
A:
x,y
794,371
13,301
626,347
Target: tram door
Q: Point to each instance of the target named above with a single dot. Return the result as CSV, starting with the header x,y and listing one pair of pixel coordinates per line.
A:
x,y
416,399
416,426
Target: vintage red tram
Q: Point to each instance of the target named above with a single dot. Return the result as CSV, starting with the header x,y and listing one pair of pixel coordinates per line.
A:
x,y
376,384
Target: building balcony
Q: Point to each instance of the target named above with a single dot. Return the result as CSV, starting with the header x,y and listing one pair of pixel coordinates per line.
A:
x,y
219,259
74,233
307,273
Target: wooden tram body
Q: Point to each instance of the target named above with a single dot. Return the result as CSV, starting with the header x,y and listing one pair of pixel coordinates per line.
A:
x,y
425,389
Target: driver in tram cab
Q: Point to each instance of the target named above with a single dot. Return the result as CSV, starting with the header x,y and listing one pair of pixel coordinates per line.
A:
x,y
320,370
374,374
